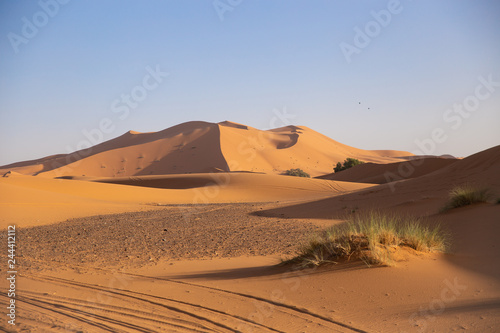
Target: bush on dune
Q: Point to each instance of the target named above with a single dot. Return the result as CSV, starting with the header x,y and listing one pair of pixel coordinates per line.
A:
x,y
465,195
348,163
371,237
297,173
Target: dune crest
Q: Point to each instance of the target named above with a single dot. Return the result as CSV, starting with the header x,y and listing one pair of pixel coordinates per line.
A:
x,y
233,124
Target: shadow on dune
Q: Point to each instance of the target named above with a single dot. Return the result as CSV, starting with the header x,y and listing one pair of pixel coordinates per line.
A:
x,y
474,306
197,155
292,141
375,173
285,271
329,208
473,232
466,307
177,183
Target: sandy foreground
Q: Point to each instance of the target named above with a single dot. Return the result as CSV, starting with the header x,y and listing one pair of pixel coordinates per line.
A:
x,y
201,251
120,280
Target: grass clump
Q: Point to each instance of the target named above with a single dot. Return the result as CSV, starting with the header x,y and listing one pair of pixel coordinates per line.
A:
x,y
297,173
371,237
465,195
348,163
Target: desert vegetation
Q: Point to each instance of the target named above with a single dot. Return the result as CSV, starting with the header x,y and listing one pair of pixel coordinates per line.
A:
x,y
371,237
348,163
465,195
297,173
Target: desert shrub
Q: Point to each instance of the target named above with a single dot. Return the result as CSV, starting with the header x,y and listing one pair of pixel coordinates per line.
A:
x,y
348,163
371,237
297,173
465,195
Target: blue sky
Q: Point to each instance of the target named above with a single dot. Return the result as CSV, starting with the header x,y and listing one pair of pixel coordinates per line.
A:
x,y
246,61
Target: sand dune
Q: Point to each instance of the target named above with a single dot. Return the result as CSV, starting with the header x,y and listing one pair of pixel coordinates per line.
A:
x,y
383,173
195,147
423,195
27,200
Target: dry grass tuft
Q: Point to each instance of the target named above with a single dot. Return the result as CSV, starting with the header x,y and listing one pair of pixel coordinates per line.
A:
x,y
370,237
465,195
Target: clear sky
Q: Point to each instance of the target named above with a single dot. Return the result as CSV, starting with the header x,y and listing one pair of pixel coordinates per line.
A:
x,y
370,74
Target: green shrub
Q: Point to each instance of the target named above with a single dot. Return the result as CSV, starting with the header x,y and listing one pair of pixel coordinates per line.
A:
x,y
297,173
465,195
348,163
371,237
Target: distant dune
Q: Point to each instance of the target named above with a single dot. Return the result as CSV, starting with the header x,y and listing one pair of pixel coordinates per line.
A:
x,y
199,147
384,173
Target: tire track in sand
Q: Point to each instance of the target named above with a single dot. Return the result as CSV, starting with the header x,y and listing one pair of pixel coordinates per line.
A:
x,y
190,310
293,312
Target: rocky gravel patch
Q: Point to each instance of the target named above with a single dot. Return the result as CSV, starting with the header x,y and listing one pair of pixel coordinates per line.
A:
x,y
176,232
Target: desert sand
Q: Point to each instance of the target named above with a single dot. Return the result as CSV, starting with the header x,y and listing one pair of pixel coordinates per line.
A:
x,y
184,230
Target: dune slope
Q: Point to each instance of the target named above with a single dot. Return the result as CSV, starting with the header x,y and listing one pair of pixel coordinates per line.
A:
x,y
185,148
424,195
288,147
383,173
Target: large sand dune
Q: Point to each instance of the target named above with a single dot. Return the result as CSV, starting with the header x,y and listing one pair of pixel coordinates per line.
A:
x,y
195,147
